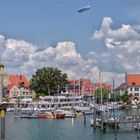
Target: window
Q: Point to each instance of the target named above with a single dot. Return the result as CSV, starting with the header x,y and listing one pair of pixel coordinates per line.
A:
x,y
137,94
136,89
131,89
15,92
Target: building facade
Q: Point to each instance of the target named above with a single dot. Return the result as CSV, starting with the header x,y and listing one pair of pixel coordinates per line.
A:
x,y
86,87
19,88
121,89
133,85
81,86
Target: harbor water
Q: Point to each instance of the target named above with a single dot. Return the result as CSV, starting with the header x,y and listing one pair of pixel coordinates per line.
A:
x,y
61,129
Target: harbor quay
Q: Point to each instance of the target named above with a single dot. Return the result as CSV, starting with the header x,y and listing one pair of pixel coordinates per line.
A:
x,y
73,127
110,120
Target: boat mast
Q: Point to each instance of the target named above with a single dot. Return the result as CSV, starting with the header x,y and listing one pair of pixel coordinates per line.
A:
x,y
100,84
74,86
79,85
114,90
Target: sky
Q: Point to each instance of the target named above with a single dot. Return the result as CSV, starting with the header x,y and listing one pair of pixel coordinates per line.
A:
x,y
52,33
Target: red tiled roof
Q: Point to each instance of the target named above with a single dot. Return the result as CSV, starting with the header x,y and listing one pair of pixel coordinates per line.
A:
x,y
88,86
133,79
18,79
103,85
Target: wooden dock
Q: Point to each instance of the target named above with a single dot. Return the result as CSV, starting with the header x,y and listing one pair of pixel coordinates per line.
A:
x,y
115,122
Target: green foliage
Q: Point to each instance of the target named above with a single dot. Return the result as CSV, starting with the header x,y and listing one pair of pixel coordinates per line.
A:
x,y
38,95
5,99
102,92
48,80
115,97
125,97
118,98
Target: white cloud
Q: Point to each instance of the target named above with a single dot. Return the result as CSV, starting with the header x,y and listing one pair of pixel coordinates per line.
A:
x,y
21,57
122,55
16,53
123,47
2,43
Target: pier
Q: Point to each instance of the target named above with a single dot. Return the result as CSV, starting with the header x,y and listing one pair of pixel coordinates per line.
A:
x,y
104,122
117,123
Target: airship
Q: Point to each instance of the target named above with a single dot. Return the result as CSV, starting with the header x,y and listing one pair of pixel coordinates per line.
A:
x,y
84,9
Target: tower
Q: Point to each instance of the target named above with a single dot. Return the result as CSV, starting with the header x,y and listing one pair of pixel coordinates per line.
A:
x,y
1,80
1,69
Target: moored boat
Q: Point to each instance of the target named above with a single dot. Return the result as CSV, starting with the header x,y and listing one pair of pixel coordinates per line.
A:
x,y
137,126
46,115
98,122
58,114
28,116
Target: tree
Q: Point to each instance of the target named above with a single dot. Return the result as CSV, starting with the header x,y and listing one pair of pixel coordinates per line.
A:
x,y
5,99
48,80
105,94
38,95
125,97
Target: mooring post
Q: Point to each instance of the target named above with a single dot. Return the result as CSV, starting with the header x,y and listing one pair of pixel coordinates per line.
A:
x,y
15,109
2,114
3,107
84,118
138,127
102,121
104,127
94,118
115,128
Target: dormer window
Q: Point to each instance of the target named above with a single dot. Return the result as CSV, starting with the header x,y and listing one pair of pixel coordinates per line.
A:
x,y
21,84
133,83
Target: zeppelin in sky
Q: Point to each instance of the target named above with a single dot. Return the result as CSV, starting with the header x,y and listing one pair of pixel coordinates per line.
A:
x,y
84,9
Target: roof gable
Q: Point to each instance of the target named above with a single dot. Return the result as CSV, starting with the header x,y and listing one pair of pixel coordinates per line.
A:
x,y
133,79
121,87
18,80
10,87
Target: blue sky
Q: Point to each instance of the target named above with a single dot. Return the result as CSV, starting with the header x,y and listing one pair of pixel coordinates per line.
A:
x,y
45,23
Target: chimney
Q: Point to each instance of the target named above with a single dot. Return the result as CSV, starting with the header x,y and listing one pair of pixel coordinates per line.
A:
x,y
20,76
